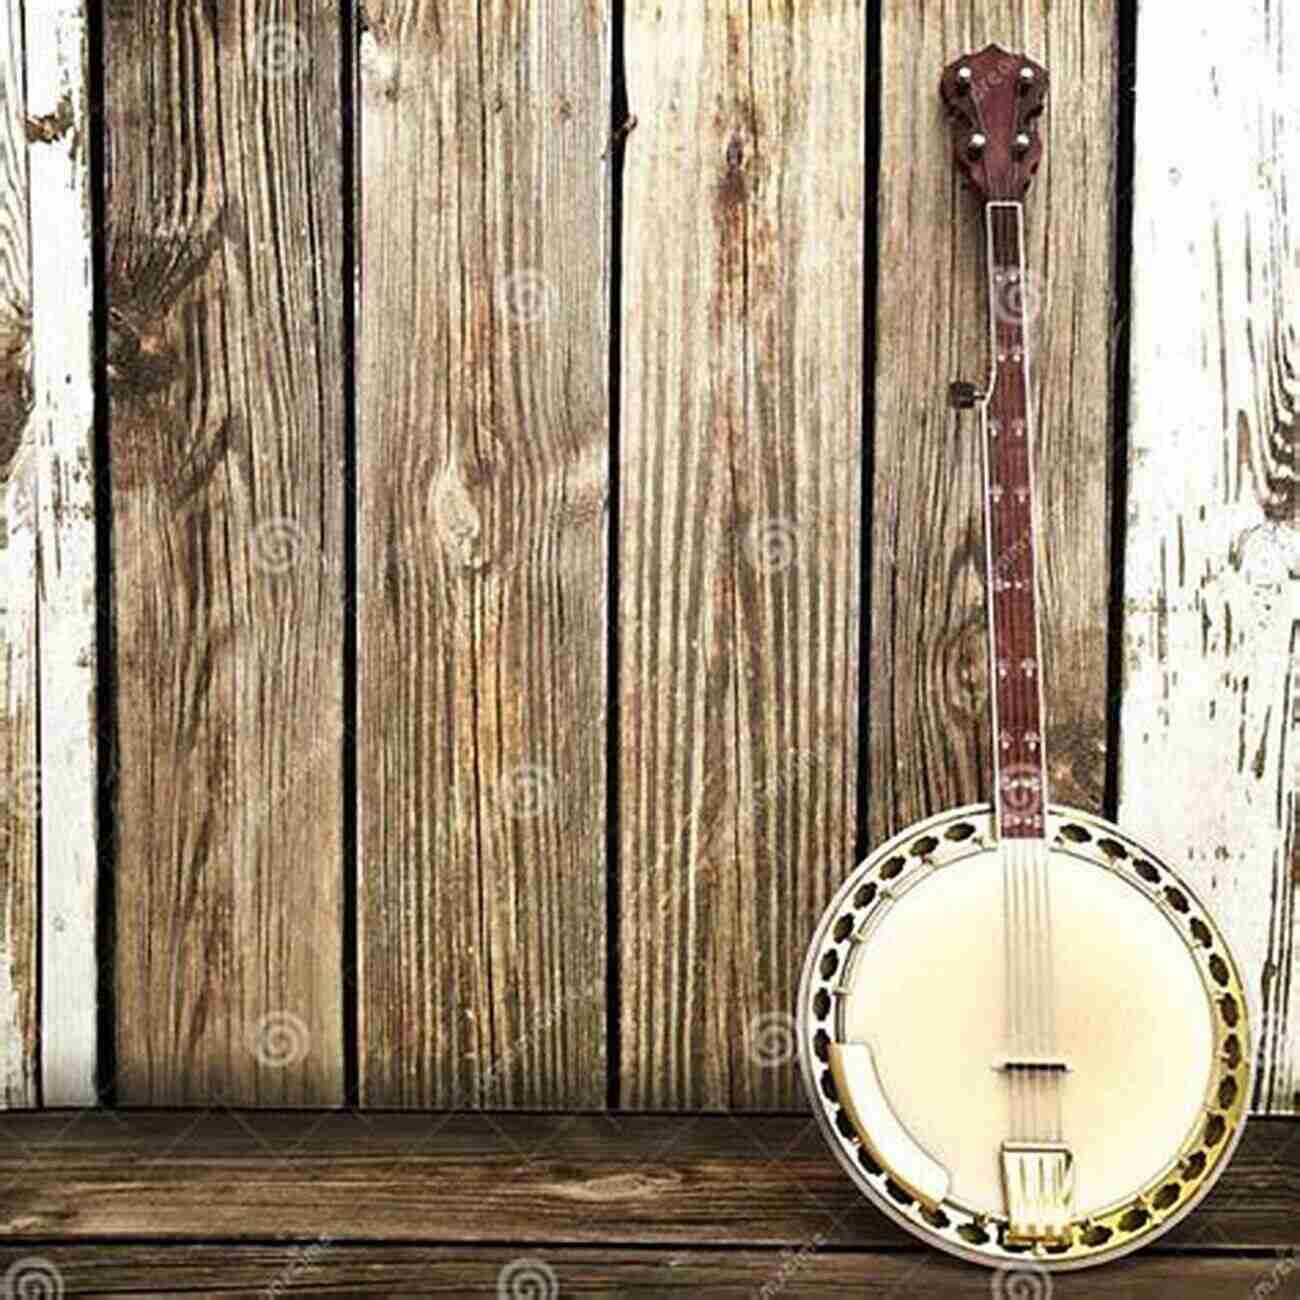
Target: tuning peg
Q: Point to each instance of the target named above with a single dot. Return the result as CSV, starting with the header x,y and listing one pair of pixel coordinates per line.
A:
x,y
963,395
1027,78
976,144
965,78
1023,142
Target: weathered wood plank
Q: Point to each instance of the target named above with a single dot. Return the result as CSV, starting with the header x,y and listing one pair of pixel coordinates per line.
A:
x,y
483,466
321,1266
63,418
740,521
635,1179
1212,545
18,758
226,447
929,699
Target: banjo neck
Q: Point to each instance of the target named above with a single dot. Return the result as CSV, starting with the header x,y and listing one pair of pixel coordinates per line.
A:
x,y
994,99
1007,431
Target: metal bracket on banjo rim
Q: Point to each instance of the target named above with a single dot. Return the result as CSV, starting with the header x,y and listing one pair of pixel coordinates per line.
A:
x,y
1038,1178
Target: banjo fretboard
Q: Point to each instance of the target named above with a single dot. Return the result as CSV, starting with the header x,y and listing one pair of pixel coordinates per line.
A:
x,y
1015,644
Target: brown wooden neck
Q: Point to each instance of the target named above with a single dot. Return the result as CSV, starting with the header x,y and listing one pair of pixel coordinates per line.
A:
x,y
1015,658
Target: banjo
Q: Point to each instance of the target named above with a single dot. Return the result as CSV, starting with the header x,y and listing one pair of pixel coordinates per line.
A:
x,y
1023,1036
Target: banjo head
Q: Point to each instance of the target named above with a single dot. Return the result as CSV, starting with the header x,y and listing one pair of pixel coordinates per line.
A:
x,y
902,1037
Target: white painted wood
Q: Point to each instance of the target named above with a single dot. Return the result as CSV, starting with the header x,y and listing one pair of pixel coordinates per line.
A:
x,y
63,418
1212,545
18,785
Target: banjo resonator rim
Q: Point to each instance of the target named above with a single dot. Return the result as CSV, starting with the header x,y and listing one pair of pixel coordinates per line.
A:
x,y
861,904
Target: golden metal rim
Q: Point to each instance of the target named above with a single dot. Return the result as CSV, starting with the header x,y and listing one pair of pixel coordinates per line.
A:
x,y
941,841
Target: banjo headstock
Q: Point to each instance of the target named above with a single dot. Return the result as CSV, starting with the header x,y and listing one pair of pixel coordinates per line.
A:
x,y
994,100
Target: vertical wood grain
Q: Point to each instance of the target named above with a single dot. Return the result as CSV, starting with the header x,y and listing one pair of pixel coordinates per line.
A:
x,y
226,447
929,698
1212,544
483,466
63,419
19,787
740,530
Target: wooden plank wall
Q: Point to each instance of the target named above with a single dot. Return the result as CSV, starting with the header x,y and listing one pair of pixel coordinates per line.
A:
x,y
1209,739
48,711
505,633
58,136
740,526
18,762
928,739
483,483
226,402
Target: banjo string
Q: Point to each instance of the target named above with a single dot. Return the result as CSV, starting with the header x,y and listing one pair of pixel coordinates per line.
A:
x,y
1027,903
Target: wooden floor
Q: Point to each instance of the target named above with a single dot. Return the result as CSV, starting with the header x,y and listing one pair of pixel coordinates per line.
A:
x,y
380,1202
484,550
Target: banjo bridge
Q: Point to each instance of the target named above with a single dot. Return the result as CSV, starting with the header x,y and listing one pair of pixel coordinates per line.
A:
x,y
1038,1178
1033,1064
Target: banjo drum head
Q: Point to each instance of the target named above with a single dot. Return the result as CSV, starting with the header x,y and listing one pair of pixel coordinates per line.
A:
x,y
1150,1020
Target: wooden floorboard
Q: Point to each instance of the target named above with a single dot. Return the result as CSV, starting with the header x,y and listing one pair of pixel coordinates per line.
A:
x,y
807,1271
630,1179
